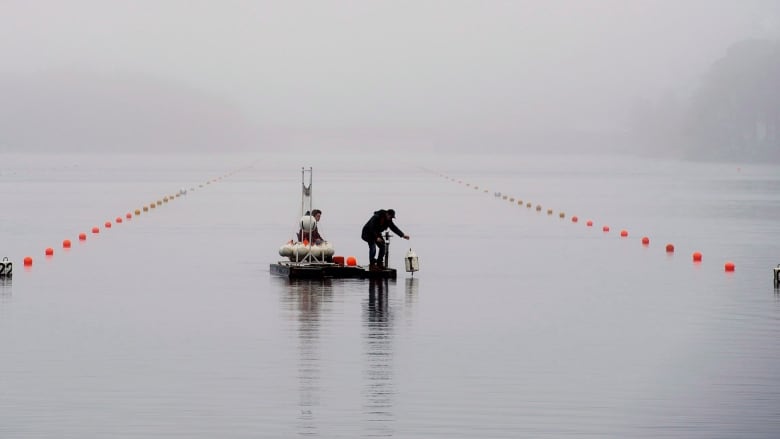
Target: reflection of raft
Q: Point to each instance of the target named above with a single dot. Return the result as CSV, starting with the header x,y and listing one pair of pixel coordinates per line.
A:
x,y
297,251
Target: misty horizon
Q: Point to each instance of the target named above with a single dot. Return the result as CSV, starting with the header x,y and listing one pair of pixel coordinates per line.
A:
x,y
351,76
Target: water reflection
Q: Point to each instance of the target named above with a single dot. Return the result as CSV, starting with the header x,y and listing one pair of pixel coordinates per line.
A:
x,y
410,287
306,298
5,288
378,393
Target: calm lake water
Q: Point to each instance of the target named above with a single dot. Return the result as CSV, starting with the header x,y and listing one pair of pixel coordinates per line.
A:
x,y
519,324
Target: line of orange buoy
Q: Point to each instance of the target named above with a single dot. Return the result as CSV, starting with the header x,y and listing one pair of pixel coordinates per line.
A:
x,y
66,244
696,256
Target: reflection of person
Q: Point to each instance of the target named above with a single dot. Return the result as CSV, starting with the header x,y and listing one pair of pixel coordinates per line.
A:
x,y
314,237
380,221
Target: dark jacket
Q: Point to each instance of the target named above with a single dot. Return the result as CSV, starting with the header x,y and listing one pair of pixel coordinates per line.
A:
x,y
377,224
315,236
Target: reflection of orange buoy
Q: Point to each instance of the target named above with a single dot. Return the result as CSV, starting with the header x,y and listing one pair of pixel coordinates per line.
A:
x,y
27,261
669,248
729,266
95,230
696,256
624,233
605,228
645,240
589,223
66,243
49,251
351,261
574,219
82,236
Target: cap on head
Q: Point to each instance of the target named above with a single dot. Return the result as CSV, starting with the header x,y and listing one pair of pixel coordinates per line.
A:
x,y
391,212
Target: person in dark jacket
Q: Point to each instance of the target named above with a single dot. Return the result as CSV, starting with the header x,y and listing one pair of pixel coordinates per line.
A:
x,y
380,221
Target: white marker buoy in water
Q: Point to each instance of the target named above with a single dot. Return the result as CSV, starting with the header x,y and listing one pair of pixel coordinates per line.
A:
x,y
777,276
412,262
6,268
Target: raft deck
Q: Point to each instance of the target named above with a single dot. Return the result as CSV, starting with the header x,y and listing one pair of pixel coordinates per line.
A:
x,y
307,270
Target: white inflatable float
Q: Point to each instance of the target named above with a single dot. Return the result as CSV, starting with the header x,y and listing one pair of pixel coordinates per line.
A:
x,y
297,251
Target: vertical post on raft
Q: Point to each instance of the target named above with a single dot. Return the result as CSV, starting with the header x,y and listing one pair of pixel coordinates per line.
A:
x,y
387,249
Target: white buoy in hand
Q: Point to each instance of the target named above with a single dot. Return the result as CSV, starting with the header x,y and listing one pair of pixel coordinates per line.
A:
x,y
411,262
6,268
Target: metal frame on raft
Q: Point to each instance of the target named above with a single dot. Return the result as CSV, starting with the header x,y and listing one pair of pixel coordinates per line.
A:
x,y
307,195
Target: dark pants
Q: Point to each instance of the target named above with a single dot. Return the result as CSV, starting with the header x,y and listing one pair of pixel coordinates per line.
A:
x,y
372,251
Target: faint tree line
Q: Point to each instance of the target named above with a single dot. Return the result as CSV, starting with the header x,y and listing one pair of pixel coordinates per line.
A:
x,y
733,115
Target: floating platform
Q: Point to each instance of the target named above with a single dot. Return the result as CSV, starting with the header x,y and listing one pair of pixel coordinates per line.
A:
x,y
322,270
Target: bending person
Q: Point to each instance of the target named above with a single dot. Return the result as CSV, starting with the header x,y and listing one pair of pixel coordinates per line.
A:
x,y
380,221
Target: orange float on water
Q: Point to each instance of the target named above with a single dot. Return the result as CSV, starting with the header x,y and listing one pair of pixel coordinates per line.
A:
x,y
669,248
128,215
66,243
605,228
28,261
118,220
82,236
729,266
624,233
645,240
697,256
589,223
95,230
107,224
574,219
49,251
351,261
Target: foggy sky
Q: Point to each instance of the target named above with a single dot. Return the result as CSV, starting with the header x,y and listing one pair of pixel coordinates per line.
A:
x,y
255,75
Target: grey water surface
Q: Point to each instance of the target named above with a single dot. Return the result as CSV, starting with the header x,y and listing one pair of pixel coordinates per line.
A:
x,y
519,324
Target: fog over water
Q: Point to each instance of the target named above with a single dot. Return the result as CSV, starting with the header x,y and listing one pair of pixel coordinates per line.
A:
x,y
347,75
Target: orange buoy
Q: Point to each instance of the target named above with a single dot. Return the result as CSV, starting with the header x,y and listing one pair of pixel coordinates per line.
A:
x,y
107,224
645,240
605,228
624,233
128,215
696,256
27,261
574,219
82,236
95,230
118,220
729,266
669,248
338,260
561,215
351,261
49,251
66,243
146,209
589,223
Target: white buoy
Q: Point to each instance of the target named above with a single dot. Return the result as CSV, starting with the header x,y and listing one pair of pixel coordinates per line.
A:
x,y
777,276
412,262
6,268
